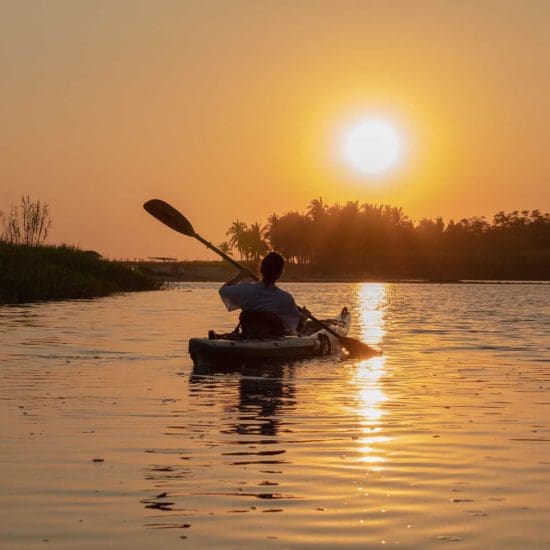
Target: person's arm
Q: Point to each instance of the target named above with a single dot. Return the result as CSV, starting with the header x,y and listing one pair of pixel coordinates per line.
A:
x,y
294,316
237,279
233,294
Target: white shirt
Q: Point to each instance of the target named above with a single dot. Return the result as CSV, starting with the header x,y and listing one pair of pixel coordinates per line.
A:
x,y
260,297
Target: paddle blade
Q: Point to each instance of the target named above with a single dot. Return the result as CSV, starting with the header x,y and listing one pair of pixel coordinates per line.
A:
x,y
169,216
357,349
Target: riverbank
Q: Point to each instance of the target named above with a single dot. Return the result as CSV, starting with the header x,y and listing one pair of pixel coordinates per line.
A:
x,y
40,273
220,271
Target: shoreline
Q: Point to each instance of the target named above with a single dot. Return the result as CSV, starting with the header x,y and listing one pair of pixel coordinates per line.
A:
x,y
54,273
383,281
219,272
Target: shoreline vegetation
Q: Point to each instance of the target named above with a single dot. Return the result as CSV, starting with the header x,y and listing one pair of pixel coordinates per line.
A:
x,y
49,273
44,273
219,271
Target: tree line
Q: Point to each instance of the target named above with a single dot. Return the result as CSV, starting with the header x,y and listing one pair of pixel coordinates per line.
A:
x,y
371,240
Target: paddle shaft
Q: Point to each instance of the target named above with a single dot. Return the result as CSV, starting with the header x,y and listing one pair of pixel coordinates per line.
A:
x,y
324,325
225,256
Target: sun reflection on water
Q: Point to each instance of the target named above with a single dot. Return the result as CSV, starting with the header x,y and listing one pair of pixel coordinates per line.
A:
x,y
371,298
368,373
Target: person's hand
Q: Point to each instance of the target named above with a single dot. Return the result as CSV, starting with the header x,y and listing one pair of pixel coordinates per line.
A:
x,y
242,274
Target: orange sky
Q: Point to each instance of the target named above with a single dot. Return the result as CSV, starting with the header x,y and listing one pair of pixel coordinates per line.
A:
x,y
233,109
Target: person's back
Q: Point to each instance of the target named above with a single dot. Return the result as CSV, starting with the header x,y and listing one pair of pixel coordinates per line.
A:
x,y
263,296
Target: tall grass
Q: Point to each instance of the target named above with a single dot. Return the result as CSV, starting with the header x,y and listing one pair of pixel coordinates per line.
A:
x,y
35,273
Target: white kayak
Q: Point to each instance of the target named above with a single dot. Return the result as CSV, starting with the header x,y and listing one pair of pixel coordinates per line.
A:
x,y
217,351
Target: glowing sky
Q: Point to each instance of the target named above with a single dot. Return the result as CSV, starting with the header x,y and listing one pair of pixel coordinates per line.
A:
x,y
233,109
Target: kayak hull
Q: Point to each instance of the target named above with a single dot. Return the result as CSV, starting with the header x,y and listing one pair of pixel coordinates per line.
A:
x,y
218,352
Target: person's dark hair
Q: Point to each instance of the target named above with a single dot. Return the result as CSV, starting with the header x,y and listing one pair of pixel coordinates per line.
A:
x,y
272,267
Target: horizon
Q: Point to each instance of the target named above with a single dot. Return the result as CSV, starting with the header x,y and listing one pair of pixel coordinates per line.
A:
x,y
106,106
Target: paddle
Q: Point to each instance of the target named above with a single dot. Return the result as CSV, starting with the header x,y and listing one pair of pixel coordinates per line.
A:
x,y
174,219
355,348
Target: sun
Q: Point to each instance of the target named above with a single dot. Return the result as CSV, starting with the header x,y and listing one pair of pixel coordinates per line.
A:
x,y
372,146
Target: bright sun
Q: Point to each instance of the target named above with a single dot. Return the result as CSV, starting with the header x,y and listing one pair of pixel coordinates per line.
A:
x,y
372,146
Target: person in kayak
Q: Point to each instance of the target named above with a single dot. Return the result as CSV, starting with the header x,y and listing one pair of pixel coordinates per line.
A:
x,y
261,301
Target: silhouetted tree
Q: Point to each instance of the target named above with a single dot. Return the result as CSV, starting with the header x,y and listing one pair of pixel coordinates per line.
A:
x,y
254,244
236,233
317,209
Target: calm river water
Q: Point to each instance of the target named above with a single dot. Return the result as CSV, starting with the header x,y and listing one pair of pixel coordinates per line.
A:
x,y
110,439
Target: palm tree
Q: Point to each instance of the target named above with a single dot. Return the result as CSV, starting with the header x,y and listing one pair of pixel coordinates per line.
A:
x,y
352,208
237,232
255,241
316,209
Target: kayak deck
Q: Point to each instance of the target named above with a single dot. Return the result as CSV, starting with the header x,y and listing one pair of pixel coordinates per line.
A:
x,y
317,342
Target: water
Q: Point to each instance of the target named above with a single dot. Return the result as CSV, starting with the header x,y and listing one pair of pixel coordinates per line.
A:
x,y
110,439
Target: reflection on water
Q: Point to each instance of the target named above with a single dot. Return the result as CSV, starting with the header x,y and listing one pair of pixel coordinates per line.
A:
x,y
108,429
369,373
262,394
371,397
371,299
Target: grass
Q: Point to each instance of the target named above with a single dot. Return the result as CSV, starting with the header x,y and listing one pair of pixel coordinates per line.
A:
x,y
37,273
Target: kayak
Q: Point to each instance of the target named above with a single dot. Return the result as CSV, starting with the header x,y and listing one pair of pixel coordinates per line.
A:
x,y
314,342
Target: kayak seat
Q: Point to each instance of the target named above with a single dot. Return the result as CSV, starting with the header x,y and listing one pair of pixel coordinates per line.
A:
x,y
261,324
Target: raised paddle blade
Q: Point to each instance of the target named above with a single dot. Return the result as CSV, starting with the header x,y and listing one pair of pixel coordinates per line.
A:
x,y
357,349
169,216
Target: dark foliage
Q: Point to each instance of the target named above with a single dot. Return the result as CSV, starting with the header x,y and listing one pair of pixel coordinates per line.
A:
x,y
380,241
33,273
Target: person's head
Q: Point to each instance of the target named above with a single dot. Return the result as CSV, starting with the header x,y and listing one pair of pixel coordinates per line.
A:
x,y
272,267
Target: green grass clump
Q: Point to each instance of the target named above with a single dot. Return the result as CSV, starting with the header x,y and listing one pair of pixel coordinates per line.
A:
x,y
36,273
